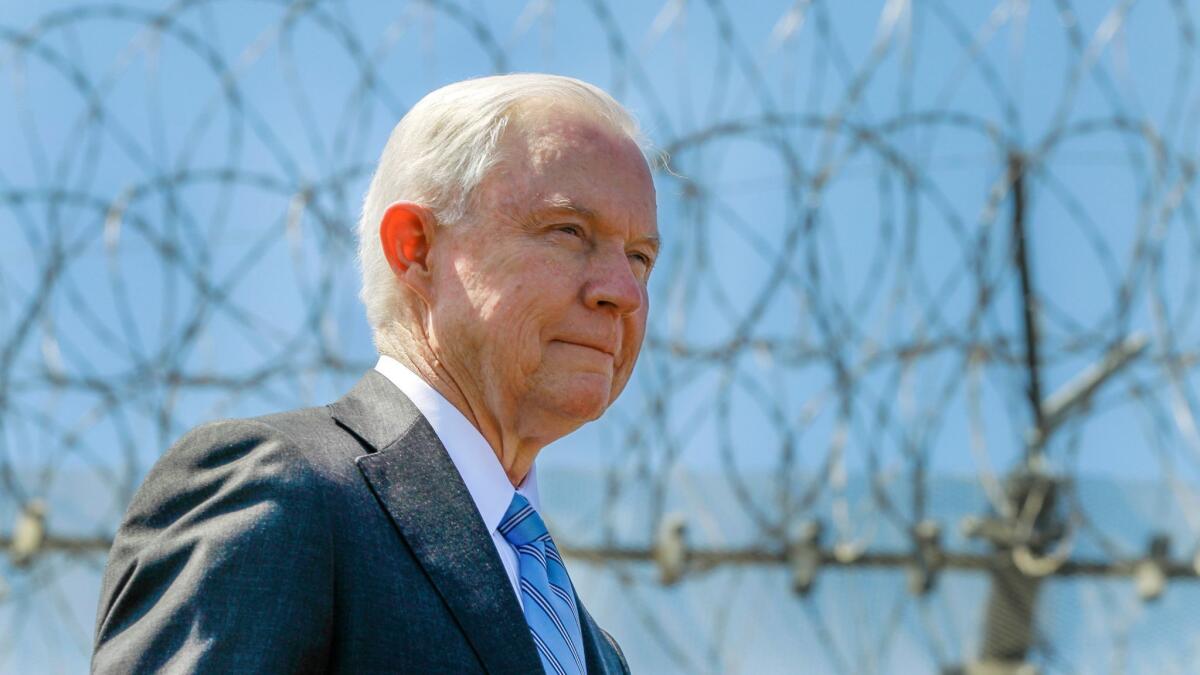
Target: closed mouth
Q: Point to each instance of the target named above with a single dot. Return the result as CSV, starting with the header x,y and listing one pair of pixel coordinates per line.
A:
x,y
588,346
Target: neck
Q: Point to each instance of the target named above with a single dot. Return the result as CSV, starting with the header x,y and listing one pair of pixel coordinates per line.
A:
x,y
514,451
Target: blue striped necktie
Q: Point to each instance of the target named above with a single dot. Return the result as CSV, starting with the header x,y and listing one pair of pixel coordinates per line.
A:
x,y
546,591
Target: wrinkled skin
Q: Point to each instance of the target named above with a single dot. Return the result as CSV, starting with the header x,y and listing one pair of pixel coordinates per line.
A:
x,y
535,304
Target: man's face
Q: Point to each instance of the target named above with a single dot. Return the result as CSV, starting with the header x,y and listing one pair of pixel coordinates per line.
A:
x,y
539,296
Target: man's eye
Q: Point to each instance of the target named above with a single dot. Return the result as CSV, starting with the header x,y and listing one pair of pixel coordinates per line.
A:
x,y
642,258
574,230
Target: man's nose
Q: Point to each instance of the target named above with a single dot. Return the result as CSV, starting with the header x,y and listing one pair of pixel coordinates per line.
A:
x,y
612,284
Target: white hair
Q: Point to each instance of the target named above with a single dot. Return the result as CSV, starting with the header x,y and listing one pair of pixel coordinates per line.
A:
x,y
442,149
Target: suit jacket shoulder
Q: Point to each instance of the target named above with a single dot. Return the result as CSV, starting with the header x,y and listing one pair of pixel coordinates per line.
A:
x,y
229,532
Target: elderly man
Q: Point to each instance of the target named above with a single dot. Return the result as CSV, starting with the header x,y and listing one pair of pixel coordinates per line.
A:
x,y
506,242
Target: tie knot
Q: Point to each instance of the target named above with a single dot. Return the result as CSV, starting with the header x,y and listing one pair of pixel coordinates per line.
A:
x,y
521,524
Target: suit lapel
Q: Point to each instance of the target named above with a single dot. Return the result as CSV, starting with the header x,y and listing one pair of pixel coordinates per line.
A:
x,y
420,489
591,651
595,645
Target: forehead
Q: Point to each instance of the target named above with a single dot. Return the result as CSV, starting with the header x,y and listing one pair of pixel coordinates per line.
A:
x,y
547,137
556,156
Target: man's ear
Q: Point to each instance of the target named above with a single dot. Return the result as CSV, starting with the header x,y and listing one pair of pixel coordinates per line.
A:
x,y
406,232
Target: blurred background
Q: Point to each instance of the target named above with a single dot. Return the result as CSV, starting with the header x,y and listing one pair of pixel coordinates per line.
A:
x,y
919,393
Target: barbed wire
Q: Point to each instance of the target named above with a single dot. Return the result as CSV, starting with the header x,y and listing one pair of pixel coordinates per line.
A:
x,y
925,324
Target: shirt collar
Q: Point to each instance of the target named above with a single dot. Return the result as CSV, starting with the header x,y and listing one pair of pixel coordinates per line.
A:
x,y
472,455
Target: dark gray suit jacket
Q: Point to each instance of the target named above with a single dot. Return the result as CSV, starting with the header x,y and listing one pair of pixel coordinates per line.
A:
x,y
337,539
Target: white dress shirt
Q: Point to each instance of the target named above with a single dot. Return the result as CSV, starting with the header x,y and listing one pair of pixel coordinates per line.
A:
x,y
472,456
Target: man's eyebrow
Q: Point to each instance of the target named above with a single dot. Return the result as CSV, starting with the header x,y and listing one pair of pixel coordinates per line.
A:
x,y
564,204
569,206
652,241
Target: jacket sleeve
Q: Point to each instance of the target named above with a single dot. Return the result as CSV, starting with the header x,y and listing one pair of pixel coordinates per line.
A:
x,y
223,563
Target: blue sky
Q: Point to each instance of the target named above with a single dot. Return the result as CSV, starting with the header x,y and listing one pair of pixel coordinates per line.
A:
x,y
234,143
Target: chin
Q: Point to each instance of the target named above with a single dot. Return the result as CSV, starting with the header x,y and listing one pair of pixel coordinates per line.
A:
x,y
583,398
